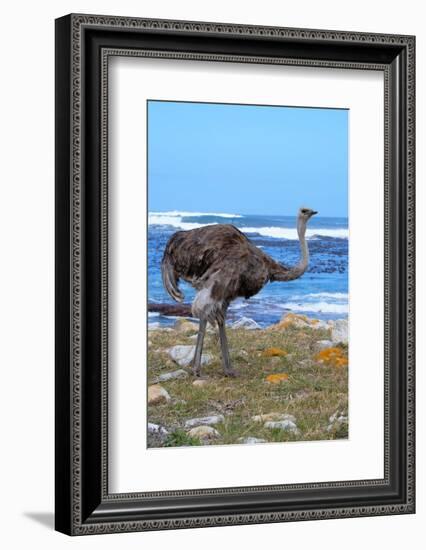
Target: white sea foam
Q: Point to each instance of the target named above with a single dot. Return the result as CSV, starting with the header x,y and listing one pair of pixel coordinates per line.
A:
x,y
239,305
187,214
323,295
318,307
291,234
174,221
174,218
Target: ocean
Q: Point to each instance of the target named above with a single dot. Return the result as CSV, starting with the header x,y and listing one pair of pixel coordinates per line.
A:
x,y
321,293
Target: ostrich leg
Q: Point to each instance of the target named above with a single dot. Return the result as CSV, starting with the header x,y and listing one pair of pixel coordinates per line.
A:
x,y
226,362
196,364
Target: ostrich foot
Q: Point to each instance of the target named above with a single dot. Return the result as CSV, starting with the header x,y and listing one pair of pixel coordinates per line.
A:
x,y
196,370
230,372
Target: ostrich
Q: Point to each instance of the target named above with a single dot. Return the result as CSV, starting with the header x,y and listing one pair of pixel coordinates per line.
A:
x,y
222,264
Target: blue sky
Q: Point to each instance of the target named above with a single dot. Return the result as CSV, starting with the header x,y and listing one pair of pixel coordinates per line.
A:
x,y
247,159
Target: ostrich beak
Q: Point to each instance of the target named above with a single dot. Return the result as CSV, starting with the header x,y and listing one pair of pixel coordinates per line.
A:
x,y
314,212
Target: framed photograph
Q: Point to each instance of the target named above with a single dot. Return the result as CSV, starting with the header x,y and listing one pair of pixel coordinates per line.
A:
x,y
234,274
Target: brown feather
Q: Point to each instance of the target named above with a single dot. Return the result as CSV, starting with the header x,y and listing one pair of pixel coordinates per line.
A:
x,y
222,257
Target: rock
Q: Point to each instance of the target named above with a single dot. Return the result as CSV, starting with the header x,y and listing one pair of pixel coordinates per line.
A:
x,y
317,324
245,322
155,440
286,425
336,420
186,327
205,433
323,344
177,310
157,395
176,374
273,417
342,419
299,321
204,421
291,320
339,331
149,343
183,355
156,429
251,440
334,416
200,383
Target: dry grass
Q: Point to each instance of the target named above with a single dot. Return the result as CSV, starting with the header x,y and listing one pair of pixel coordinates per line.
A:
x,y
312,392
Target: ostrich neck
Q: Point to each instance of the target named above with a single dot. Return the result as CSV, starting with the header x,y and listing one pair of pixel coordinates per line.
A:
x,y
282,273
304,251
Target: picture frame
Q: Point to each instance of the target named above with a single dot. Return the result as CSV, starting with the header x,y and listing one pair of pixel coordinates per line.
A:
x,y
83,503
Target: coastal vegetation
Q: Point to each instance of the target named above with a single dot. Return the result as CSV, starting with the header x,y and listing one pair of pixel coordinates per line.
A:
x,y
292,384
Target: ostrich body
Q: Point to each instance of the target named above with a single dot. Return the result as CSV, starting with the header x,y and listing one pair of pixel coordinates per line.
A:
x,y
222,264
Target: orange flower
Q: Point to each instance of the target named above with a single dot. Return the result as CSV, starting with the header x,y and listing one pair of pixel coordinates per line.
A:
x,y
341,362
332,357
274,352
277,378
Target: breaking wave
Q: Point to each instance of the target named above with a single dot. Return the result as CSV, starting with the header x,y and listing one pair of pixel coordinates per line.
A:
x,y
174,221
187,214
318,307
176,218
153,314
323,295
291,234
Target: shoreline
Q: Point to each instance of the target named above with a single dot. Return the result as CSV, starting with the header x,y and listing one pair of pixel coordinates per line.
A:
x,y
166,316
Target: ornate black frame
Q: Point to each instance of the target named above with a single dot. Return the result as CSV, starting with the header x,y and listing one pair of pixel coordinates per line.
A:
x,y
83,46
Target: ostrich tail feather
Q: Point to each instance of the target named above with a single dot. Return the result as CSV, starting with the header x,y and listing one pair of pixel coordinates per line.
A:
x,y
170,281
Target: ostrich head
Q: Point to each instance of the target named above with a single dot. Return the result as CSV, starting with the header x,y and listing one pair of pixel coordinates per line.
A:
x,y
304,215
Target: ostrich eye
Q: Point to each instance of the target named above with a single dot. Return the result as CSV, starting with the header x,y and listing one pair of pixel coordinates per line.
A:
x,y
304,211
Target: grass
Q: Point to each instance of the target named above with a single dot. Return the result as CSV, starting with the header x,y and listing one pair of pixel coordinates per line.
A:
x,y
313,392
180,438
